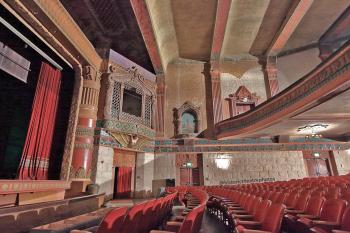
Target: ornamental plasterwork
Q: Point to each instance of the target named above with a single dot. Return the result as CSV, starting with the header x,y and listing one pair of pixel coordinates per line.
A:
x,y
117,81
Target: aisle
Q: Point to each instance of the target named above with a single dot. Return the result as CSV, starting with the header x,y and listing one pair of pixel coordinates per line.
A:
x,y
210,224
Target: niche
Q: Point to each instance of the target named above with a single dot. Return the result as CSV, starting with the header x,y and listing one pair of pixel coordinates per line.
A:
x,y
186,120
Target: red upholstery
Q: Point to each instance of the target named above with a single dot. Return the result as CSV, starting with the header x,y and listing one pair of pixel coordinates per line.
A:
x,y
330,216
272,220
133,219
113,221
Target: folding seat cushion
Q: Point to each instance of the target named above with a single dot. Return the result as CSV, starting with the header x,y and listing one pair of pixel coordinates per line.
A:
x,y
330,216
271,222
113,221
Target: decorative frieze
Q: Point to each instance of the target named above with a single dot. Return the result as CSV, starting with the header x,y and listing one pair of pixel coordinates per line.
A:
x,y
321,81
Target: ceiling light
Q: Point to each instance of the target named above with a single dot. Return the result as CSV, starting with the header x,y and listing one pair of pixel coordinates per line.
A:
x,y
222,162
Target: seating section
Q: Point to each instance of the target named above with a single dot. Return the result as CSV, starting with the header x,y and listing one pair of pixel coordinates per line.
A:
x,y
191,218
303,205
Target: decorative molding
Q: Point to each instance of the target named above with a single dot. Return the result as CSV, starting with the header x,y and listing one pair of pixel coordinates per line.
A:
x,y
31,186
303,94
72,125
126,127
222,13
251,147
58,15
79,173
144,21
83,146
188,106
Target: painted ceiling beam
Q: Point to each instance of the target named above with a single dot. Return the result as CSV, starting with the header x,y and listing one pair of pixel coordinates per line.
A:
x,y
144,21
296,13
222,13
337,28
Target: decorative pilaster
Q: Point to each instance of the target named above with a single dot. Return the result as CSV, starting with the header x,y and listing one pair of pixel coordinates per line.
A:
x,y
270,76
160,105
84,140
213,96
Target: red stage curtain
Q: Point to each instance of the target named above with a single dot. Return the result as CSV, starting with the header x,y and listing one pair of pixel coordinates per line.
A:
x,y
36,152
124,182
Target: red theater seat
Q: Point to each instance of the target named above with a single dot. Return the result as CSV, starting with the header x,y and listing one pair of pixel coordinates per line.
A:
x,y
330,217
113,221
271,223
344,228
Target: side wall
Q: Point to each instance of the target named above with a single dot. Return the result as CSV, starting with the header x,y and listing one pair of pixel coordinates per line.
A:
x,y
280,165
184,82
342,161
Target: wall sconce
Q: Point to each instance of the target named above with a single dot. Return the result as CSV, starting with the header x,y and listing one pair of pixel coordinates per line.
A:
x,y
316,154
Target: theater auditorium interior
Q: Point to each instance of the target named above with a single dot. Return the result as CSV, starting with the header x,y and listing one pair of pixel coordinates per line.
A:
x,y
174,116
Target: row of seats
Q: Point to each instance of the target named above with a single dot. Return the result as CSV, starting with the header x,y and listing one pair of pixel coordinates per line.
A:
x,y
141,218
190,220
305,205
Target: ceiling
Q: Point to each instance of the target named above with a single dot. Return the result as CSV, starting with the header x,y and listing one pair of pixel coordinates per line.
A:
x,y
186,29
111,24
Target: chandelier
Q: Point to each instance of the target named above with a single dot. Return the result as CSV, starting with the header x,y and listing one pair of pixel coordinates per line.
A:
x,y
312,131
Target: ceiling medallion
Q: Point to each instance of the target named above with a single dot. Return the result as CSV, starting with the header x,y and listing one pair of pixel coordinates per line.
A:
x,y
312,131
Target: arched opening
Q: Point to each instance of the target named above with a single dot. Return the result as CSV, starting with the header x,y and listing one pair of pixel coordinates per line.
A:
x,y
188,122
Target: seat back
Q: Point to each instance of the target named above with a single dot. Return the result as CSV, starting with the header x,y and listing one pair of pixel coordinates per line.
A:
x,y
345,223
332,210
302,201
196,226
147,216
273,219
314,206
291,200
280,198
133,219
262,210
113,221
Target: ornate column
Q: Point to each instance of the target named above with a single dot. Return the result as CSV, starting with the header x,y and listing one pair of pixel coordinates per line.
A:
x,y
213,94
160,89
84,140
270,76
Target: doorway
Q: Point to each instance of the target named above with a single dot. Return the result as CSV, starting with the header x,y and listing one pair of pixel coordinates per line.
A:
x,y
122,182
318,167
189,176
320,163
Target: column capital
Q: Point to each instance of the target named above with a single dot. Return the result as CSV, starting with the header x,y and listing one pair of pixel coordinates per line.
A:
x,y
90,73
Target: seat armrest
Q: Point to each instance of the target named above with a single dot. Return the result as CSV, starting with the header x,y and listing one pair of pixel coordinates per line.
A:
x,y
173,226
306,221
318,230
312,217
79,231
255,231
158,231
250,224
294,211
326,226
243,216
